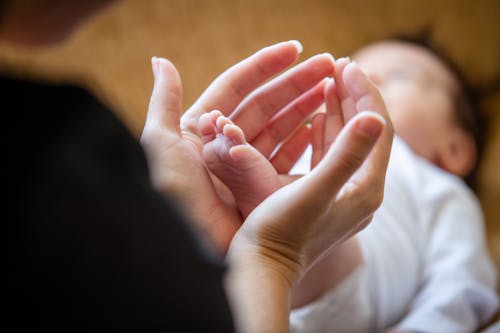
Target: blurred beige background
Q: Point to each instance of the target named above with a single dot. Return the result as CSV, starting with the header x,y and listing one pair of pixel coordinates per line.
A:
x,y
111,52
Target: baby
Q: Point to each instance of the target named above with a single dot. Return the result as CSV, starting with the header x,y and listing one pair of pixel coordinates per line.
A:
x,y
422,264
426,266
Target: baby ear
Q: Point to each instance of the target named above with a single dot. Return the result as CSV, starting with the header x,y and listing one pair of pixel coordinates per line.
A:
x,y
458,153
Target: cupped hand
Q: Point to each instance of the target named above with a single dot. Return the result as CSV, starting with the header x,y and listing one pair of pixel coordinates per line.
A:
x,y
268,110
308,218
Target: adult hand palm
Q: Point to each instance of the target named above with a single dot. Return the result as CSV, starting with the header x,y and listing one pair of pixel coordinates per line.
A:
x,y
176,163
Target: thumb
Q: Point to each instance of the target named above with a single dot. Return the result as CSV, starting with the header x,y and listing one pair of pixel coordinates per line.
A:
x,y
166,100
349,151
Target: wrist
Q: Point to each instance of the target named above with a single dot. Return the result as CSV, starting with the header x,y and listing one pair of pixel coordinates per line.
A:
x,y
248,253
259,283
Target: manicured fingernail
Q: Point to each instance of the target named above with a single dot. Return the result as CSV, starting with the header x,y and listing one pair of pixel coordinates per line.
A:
x,y
298,45
368,126
343,60
154,65
329,55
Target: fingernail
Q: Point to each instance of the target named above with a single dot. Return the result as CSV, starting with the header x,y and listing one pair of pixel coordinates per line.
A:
x,y
154,65
368,126
329,55
298,45
343,59
329,83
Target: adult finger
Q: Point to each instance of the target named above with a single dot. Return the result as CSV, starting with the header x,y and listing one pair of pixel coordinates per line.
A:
x,y
334,117
317,138
253,114
309,204
347,153
291,150
347,104
232,86
287,120
166,99
367,98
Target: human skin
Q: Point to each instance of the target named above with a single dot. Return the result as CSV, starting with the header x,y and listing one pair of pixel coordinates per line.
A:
x,y
251,178
314,199
259,265
418,90
249,175
215,213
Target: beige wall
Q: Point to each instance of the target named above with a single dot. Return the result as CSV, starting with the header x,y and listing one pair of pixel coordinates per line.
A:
x,y
111,52
203,37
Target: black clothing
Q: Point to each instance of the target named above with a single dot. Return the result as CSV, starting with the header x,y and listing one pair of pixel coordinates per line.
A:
x,y
91,246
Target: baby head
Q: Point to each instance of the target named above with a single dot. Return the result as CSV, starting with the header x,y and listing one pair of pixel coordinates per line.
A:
x,y
428,103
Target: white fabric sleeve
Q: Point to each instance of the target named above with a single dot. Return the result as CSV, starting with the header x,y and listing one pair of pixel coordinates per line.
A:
x,y
339,310
458,292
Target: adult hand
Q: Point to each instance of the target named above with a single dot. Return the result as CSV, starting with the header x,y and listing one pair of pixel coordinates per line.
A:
x,y
267,110
306,219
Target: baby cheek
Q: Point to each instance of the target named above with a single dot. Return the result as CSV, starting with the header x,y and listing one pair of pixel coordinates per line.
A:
x,y
415,125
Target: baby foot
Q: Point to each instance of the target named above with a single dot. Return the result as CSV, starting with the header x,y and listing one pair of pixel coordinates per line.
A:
x,y
243,169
